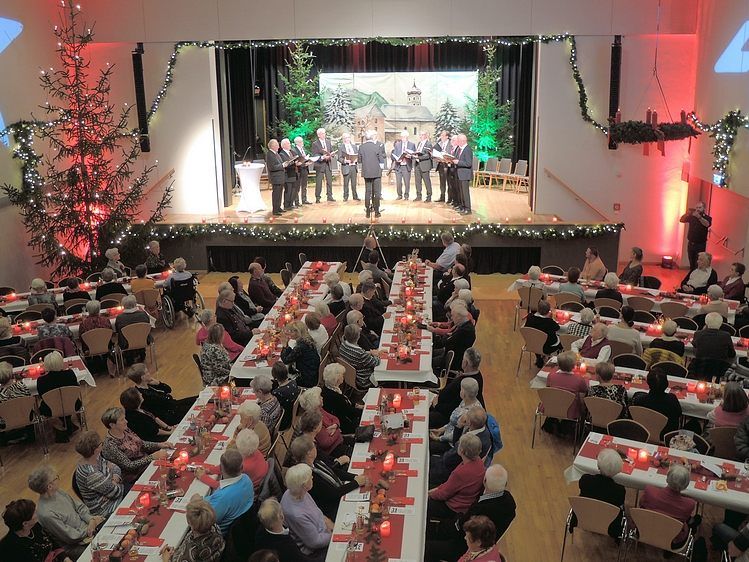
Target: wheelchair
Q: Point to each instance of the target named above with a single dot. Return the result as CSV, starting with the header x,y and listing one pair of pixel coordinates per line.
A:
x,y
181,296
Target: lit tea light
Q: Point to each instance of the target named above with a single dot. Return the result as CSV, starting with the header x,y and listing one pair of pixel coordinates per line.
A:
x,y
409,317
225,393
404,320
403,220
325,220
629,287
385,529
245,220
389,462
319,265
691,386
294,299
288,317
145,499
202,220
701,387
27,325
583,367
643,455
397,401
296,220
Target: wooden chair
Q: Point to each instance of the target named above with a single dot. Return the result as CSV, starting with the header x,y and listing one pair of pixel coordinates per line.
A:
x,y
109,303
630,361
14,360
611,303
21,412
643,316
63,283
115,297
628,429
608,312
289,268
385,289
94,278
641,303
136,336
490,167
75,306
699,319
728,328
39,307
98,342
651,420
335,341
602,411
722,440
302,259
567,340
700,443
39,356
572,306
286,277
671,369
620,348
553,270
593,516
342,267
672,309
554,403
658,530
196,358
323,363
534,345
62,403
650,282
686,323
519,178
150,299
445,371
564,298
349,375
503,170
529,297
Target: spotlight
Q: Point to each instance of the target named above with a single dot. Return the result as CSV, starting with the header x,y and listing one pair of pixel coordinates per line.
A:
x,y
667,262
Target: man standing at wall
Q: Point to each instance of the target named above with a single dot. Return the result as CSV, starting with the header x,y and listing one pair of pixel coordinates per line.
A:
x,y
699,224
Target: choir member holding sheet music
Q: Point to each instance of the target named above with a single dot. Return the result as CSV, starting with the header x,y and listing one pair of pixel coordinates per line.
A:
x,y
402,153
300,192
423,166
322,153
348,155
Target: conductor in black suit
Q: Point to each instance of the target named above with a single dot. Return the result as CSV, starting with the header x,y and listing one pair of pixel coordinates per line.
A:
x,y
372,159
423,166
402,164
300,192
465,173
348,165
443,145
288,157
276,174
323,148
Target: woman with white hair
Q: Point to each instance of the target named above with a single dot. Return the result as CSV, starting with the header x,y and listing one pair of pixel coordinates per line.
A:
x,y
109,285
270,409
336,402
249,418
330,439
326,317
180,273
10,387
610,290
668,339
441,439
716,304
670,500
299,353
464,485
608,389
254,463
458,285
582,327
207,319
114,263
368,340
364,276
331,279
446,328
316,330
39,293
534,280
602,487
308,526
57,376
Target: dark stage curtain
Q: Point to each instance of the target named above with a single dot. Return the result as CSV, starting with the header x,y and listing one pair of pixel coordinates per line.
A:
x,y
263,65
485,259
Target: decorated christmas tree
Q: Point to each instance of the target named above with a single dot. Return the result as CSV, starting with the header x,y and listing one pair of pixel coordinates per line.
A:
x,y
299,98
488,123
84,189
338,110
446,119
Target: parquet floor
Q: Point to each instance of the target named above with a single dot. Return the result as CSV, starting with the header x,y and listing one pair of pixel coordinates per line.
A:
x,y
536,478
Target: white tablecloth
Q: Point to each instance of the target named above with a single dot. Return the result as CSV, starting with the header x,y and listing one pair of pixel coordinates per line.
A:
x,y
249,178
728,499
82,374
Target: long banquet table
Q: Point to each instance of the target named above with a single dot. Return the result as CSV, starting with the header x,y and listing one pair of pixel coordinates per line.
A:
x,y
641,470
407,497
167,525
30,373
553,282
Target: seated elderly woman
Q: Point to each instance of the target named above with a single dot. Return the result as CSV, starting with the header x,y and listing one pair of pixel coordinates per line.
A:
x,y
733,284
10,387
611,288
254,464
65,518
480,537
141,281
671,502
442,438
203,541
130,315
270,408
331,279
26,539
625,331
716,302
442,330
56,376
582,327
316,330
39,293
300,354
336,300
109,285
215,365
285,390
336,402
309,528
330,481
368,340
733,408
310,424
534,280
595,345
94,319
98,480
7,339
543,321
659,400
125,449
157,395
73,291
114,263
180,273
207,319
572,284
250,417
464,485
330,440
327,319
608,390
273,534
602,487
362,361
713,349
365,276
143,423
50,328
564,378
466,295
668,341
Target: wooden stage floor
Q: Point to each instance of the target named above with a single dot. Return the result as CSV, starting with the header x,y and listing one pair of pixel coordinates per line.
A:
x,y
489,206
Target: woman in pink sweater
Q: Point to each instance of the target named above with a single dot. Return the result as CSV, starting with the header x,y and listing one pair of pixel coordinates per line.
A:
x,y
464,485
734,408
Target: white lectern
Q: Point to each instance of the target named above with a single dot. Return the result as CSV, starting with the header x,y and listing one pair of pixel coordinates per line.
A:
x,y
249,178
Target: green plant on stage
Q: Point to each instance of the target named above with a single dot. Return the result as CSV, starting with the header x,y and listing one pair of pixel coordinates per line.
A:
x,y
299,97
488,123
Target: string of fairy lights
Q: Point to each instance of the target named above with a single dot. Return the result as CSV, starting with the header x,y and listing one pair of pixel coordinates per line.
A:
x,y
724,132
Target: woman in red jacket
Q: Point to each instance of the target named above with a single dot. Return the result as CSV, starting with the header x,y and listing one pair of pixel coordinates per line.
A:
x,y
464,485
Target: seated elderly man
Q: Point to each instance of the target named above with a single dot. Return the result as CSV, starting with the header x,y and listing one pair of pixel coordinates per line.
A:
x,y
473,422
155,261
611,288
446,285
65,518
362,361
713,349
461,338
582,327
270,408
442,438
716,304
273,534
368,340
373,265
109,285
670,501
114,263
542,320
449,397
373,309
235,494
447,258
50,328
258,290
595,345
232,319
447,542
131,314
275,289
701,277
336,298
364,276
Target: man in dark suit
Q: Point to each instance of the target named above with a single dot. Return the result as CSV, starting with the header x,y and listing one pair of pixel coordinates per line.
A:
x,y
453,190
323,148
464,167
372,159
462,337
402,164
443,145
276,174
287,157
373,309
300,192
423,166
347,158
232,319
713,349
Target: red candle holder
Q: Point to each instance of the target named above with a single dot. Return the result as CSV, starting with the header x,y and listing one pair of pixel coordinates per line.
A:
x,y
744,342
404,320
629,288
583,367
397,402
701,388
288,317
294,300
632,454
86,286
225,393
10,297
409,291
318,265
306,285
145,500
409,317
385,529
642,456
389,462
691,387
